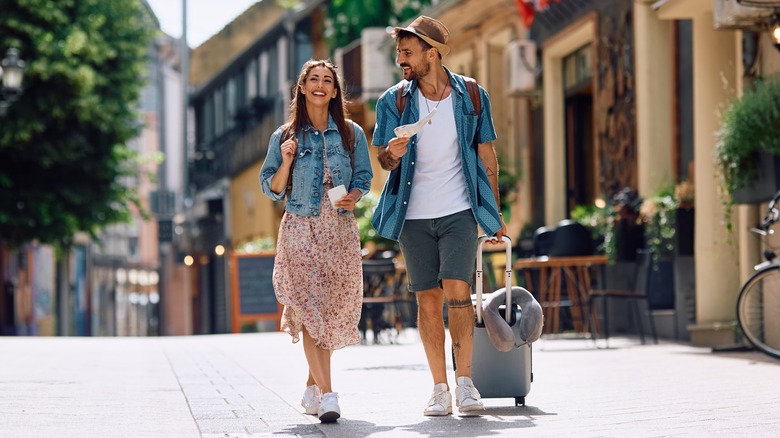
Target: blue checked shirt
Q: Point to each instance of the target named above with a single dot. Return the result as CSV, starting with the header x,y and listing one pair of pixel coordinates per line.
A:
x,y
390,213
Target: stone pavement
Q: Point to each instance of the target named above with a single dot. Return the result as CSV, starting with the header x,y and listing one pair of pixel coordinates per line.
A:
x,y
251,384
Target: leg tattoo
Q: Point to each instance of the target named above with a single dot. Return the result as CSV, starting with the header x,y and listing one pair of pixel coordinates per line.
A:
x,y
456,303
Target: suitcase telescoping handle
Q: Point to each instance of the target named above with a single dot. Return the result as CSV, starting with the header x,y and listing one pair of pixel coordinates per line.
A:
x,y
507,277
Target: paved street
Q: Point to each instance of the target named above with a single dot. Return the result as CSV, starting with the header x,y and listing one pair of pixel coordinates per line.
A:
x,y
251,384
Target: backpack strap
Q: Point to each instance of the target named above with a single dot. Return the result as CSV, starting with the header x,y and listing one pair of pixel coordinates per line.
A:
x,y
400,99
473,89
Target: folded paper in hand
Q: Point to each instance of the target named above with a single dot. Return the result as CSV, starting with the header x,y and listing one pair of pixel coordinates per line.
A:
x,y
336,193
414,128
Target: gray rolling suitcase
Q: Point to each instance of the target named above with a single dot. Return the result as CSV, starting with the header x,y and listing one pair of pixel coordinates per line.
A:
x,y
498,374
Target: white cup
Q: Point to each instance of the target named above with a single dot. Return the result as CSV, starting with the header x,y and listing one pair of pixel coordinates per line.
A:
x,y
336,193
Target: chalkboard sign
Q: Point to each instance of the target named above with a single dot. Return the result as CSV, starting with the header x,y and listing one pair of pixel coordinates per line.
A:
x,y
253,291
255,288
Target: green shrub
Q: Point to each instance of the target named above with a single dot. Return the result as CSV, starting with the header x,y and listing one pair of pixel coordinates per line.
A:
x,y
750,125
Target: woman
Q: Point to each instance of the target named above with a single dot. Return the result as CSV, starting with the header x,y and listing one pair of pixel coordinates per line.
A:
x,y
317,270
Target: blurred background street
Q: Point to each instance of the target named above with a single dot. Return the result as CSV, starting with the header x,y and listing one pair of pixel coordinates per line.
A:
x,y
638,143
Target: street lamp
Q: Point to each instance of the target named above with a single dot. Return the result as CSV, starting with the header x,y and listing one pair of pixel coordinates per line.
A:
x,y
12,71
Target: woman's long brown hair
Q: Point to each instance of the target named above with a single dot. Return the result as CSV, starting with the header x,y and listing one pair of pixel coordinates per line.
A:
x,y
337,107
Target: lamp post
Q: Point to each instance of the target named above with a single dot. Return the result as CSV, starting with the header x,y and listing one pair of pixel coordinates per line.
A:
x,y
12,71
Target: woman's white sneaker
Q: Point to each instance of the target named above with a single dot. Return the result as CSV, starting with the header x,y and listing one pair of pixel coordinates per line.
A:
x,y
467,397
440,403
311,399
329,410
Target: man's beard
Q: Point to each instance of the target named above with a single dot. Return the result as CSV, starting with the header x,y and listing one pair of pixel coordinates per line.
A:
x,y
417,73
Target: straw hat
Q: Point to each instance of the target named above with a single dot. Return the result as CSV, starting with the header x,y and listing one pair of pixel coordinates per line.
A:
x,y
431,31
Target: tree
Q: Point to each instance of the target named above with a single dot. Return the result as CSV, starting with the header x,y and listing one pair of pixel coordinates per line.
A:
x,y
64,155
346,18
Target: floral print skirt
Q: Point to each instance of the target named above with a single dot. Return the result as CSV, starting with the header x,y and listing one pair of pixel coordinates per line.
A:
x,y
318,276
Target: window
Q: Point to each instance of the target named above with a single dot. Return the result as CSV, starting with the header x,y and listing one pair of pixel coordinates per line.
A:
x,y
251,80
263,74
578,67
231,103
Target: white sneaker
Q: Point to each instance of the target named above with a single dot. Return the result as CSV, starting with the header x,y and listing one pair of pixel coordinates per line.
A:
x,y
440,403
329,410
467,397
311,399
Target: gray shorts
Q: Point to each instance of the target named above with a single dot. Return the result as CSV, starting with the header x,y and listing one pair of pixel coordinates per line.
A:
x,y
437,249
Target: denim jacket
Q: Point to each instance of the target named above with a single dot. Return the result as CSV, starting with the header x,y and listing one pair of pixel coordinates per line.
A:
x,y
309,169
390,212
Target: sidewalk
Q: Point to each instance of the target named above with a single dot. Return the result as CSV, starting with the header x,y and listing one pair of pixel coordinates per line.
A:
x,y
251,384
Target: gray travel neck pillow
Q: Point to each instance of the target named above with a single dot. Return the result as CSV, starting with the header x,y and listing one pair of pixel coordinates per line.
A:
x,y
525,331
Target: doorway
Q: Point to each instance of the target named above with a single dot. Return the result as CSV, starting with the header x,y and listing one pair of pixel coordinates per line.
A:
x,y
580,151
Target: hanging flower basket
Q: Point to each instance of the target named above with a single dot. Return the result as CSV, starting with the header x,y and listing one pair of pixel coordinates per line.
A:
x,y
749,145
764,185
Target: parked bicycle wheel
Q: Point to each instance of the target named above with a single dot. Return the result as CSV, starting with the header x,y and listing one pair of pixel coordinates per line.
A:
x,y
758,310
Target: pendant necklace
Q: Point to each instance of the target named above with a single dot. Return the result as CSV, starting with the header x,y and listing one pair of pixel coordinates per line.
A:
x,y
437,103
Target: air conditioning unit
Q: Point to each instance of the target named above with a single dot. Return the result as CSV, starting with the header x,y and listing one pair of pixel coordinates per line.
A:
x,y
736,14
377,62
521,67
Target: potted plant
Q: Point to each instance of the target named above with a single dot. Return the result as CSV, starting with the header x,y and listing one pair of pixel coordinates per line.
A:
x,y
615,224
629,229
684,194
600,219
748,150
659,214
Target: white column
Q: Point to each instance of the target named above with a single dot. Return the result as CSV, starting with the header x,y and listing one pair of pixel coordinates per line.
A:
x,y
654,99
717,261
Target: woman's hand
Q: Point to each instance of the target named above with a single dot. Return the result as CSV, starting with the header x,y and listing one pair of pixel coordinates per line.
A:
x,y
289,149
348,201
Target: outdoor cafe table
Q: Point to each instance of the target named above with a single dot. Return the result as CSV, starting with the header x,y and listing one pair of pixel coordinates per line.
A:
x,y
553,271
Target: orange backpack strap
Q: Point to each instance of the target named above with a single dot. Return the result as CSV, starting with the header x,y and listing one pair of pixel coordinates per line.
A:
x,y
400,99
473,89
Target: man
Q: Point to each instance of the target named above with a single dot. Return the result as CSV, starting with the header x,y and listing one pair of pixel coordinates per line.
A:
x,y
443,182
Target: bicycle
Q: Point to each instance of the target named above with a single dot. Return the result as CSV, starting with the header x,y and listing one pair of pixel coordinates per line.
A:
x,y
758,304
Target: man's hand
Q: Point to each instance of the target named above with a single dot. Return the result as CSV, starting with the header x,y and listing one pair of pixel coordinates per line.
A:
x,y
390,155
499,237
397,147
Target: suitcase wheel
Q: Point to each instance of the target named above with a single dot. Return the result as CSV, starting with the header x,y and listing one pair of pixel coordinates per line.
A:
x,y
519,401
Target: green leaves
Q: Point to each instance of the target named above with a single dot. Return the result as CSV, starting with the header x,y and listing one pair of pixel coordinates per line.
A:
x,y
749,125
64,143
346,18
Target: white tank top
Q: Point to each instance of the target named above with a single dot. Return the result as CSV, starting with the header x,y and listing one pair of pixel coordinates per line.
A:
x,y
439,187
